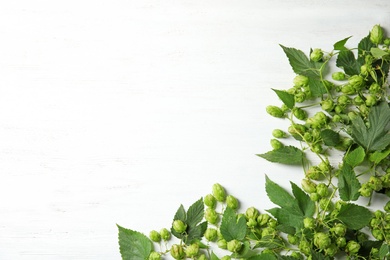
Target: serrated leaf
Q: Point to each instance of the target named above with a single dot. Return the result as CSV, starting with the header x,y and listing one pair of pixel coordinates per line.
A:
x,y
318,255
306,205
300,63
285,155
348,183
287,218
365,45
377,157
195,213
376,137
340,45
317,88
180,214
378,53
286,229
330,137
195,233
281,197
133,245
354,216
266,256
384,250
287,98
355,157
346,60
232,227
214,256
270,242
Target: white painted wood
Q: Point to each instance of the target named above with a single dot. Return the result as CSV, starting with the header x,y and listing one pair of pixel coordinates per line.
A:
x,y
118,111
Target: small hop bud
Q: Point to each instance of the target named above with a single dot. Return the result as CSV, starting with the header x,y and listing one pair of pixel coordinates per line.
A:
x,y
305,247
211,215
348,89
222,243
202,257
226,257
192,250
341,242
309,223
276,144
234,245
155,236
322,190
386,41
358,100
300,81
356,82
299,113
339,230
262,219
165,234
374,88
315,196
366,190
387,206
300,96
277,133
308,186
292,239
177,252
275,111
211,234
252,213
219,192
371,100
251,223
316,55
154,256
352,247
322,240
296,255
272,223
327,105
268,231
179,226
377,234
376,34
338,76
326,204
210,201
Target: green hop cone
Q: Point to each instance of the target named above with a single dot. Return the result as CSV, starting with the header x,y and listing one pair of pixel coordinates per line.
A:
x,y
366,190
327,105
165,234
155,236
252,213
211,215
179,226
234,245
192,250
222,243
316,55
387,206
376,34
202,257
386,41
341,242
308,186
352,247
232,202
322,190
226,257
177,252
375,183
154,256
292,239
322,240
331,250
339,230
210,201
356,82
219,192
262,219
309,223
301,81
275,111
276,144
211,234
277,133
251,223
338,76
299,113
305,247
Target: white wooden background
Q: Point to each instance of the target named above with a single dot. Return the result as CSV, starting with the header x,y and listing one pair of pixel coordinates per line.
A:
x,y
119,111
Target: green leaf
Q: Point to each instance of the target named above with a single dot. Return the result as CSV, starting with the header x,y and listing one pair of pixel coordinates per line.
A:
x,y
285,155
287,218
365,45
232,227
348,183
306,205
270,242
355,157
195,213
281,197
267,256
214,256
318,255
378,53
377,157
195,233
180,214
317,88
377,136
300,63
354,216
330,137
346,60
340,45
287,98
384,250
133,245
